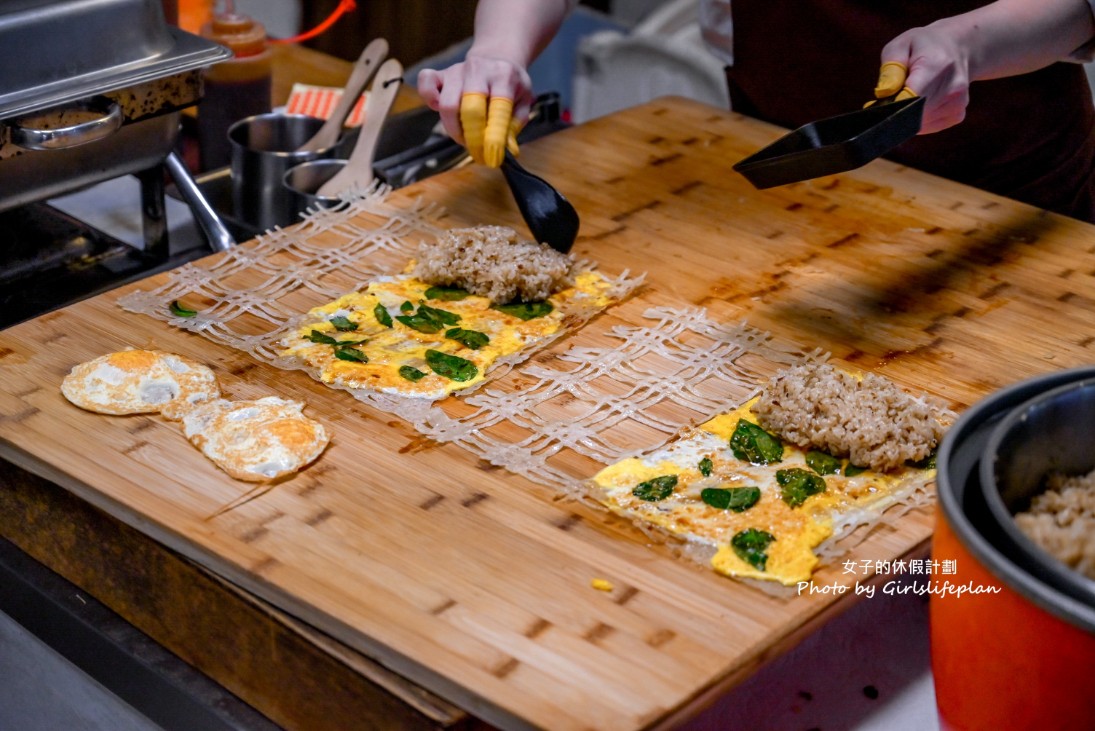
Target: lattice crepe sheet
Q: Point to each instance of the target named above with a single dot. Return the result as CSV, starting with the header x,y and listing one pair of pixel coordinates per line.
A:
x,y
255,296
557,420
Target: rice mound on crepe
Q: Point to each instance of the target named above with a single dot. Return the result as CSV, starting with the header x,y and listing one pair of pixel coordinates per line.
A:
x,y
494,262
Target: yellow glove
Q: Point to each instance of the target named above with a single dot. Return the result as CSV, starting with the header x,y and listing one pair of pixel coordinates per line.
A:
x,y
515,127
488,132
891,84
473,120
499,117
891,77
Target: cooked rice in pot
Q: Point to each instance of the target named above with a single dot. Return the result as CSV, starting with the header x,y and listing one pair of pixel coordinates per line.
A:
x,y
871,421
493,261
1062,521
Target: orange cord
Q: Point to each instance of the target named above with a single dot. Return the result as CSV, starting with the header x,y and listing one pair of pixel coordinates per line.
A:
x,y
344,6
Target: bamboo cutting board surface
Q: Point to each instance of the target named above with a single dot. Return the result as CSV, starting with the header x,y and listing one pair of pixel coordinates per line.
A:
x,y
475,582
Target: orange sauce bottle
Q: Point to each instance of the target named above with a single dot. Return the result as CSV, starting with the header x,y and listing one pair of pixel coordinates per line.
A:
x,y
234,89
193,14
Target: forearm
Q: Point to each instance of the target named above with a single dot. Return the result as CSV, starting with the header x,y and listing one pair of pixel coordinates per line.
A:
x,y
516,30
1010,37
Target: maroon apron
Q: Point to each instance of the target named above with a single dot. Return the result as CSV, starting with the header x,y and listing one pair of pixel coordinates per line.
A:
x,y
1028,137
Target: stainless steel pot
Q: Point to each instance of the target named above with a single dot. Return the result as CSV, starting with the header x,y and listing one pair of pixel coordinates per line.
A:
x,y
92,90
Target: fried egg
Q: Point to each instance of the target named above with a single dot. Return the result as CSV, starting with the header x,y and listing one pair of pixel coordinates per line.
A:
x,y
140,382
258,440
403,336
698,490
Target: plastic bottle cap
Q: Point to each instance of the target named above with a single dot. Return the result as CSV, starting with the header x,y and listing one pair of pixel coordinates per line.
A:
x,y
241,33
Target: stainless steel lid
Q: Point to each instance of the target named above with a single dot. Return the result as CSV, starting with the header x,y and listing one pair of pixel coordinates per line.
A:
x,y
55,52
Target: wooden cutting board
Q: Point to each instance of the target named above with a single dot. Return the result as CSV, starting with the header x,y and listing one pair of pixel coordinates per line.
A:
x,y
474,582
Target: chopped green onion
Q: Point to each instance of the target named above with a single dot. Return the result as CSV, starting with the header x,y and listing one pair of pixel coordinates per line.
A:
x,y
658,488
179,310
735,499
526,310
751,546
754,445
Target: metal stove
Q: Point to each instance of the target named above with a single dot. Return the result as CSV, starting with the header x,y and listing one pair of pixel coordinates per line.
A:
x,y
51,257
92,91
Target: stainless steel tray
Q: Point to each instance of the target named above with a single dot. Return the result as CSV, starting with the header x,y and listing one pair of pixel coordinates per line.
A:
x,y
54,53
46,173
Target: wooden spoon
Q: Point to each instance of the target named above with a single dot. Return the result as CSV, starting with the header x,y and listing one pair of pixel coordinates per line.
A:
x,y
358,169
364,69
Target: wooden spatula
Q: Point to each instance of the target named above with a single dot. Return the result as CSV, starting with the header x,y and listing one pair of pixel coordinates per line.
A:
x,y
359,167
364,69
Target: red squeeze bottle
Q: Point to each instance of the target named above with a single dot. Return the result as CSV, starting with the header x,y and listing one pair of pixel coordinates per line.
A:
x,y
234,89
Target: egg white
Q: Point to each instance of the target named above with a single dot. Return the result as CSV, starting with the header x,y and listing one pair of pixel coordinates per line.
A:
x,y
798,531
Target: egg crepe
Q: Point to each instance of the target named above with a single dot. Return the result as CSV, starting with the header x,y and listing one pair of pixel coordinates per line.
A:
x,y
758,507
403,336
139,382
257,440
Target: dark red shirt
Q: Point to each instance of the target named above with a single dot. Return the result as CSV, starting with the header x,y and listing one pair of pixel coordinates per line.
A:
x,y
1028,137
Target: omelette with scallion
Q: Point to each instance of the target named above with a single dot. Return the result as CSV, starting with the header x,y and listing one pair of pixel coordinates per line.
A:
x,y
760,505
403,336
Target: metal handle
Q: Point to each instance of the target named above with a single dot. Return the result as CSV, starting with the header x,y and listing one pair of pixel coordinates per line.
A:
x,y
207,219
107,121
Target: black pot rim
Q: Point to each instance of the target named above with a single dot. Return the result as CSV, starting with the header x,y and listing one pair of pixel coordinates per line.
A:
x,y
1025,551
951,488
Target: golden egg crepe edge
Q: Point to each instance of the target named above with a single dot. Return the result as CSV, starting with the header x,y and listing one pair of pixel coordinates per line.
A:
x,y
801,536
381,352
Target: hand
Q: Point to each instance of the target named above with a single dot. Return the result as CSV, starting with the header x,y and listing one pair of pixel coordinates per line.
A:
x,y
937,69
483,103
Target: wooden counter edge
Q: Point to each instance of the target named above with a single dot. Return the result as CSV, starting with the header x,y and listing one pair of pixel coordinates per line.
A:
x,y
708,696
290,672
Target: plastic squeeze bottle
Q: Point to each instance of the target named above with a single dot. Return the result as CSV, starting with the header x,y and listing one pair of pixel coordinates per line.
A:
x,y
193,14
234,89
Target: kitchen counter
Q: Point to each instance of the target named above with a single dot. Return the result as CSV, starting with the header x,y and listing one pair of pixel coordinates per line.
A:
x,y
886,268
